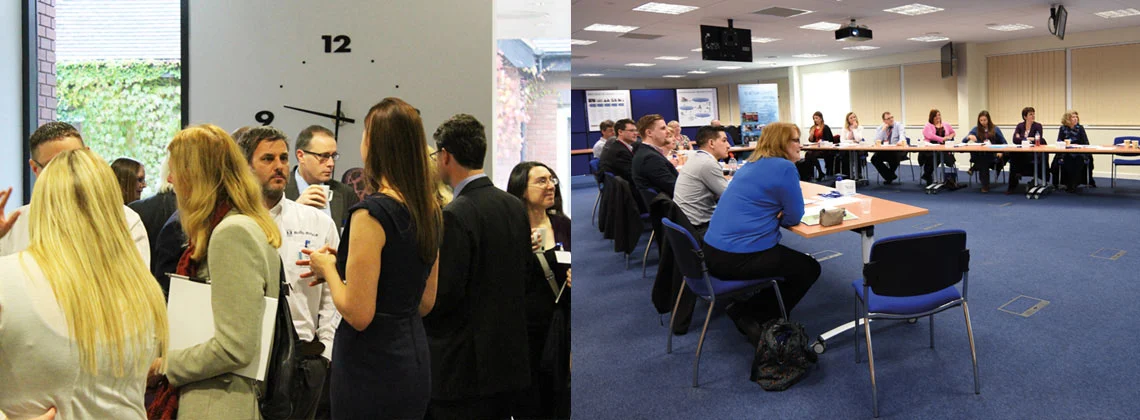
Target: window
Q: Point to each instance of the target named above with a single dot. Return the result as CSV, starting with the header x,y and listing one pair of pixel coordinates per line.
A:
x,y
828,93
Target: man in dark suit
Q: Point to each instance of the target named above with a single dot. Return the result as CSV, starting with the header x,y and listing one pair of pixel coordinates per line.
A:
x,y
155,210
617,156
477,329
316,160
651,169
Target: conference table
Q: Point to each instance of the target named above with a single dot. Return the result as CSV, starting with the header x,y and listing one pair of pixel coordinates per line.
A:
x,y
576,152
1039,188
882,211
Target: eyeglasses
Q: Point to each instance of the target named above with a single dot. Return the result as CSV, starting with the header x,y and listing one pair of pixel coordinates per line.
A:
x,y
323,157
545,182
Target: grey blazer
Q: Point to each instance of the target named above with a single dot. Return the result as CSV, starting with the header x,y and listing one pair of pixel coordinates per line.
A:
x,y
243,269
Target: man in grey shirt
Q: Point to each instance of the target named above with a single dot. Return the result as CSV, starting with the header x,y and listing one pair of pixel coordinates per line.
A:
x,y
607,128
701,181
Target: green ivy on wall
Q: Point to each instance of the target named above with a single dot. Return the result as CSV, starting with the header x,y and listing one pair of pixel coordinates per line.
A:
x,y
123,108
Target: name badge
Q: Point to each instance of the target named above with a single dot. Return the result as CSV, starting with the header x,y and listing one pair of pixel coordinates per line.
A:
x,y
562,257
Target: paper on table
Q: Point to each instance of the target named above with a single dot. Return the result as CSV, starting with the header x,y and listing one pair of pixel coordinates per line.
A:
x,y
191,318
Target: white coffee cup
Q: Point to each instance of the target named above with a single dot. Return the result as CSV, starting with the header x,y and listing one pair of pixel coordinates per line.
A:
x,y
538,237
327,193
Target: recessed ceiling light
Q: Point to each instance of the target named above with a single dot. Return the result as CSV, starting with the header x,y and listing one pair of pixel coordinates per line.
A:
x,y
698,72
695,50
601,27
929,38
822,26
591,75
666,8
641,64
581,42
730,67
669,57
914,9
809,55
1009,27
762,40
674,76
1118,13
861,48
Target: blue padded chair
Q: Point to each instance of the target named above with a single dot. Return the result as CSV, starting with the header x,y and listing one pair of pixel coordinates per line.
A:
x,y
1122,162
594,163
649,194
912,276
688,256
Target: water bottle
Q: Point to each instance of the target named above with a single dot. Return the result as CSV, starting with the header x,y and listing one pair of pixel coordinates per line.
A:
x,y
731,162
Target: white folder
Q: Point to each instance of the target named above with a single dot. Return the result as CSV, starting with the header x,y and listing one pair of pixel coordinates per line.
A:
x,y
191,318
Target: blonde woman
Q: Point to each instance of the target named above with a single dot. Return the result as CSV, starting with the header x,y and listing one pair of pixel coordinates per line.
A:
x,y
232,244
1073,169
81,318
743,239
683,142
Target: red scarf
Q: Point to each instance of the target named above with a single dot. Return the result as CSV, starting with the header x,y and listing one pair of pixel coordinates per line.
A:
x,y
165,402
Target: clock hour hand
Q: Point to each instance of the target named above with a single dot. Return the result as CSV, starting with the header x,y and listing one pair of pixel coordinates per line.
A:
x,y
334,117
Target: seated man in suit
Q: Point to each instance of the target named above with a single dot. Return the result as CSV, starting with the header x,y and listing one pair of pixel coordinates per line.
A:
x,y
617,157
651,169
316,160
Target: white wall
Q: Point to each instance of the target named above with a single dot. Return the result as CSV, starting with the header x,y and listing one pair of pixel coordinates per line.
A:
x,y
11,93
246,56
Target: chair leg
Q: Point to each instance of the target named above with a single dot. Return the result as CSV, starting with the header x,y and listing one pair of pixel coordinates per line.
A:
x,y
1112,183
627,261
973,352
672,317
701,343
645,256
594,212
855,329
779,298
871,365
931,330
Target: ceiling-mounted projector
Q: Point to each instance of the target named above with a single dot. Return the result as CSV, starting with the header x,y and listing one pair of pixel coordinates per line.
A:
x,y
853,33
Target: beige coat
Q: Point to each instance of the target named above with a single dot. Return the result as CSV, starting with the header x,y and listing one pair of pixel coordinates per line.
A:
x,y
243,269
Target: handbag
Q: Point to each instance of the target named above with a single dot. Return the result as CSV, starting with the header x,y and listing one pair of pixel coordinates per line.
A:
x,y
831,217
284,361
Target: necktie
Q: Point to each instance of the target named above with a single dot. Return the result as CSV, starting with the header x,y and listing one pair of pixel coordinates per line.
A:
x,y
890,128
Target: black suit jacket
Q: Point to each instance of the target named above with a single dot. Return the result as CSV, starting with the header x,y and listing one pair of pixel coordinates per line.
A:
x,y
154,211
168,247
651,169
477,330
344,197
617,159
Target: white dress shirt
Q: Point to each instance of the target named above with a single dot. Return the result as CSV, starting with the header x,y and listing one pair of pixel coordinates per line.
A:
x,y
18,238
314,315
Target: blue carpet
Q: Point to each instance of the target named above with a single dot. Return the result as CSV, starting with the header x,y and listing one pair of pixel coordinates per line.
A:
x,y
1069,360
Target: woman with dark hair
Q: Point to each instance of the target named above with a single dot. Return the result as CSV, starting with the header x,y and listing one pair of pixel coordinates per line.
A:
x,y
817,134
743,239
381,367
985,132
935,132
1028,131
547,302
132,178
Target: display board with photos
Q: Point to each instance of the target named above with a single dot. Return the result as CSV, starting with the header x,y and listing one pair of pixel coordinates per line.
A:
x,y
604,105
759,106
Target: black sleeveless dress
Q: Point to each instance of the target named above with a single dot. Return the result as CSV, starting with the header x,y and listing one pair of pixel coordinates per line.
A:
x,y
384,372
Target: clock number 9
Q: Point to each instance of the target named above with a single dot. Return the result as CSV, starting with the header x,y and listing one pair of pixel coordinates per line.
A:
x,y
264,117
343,39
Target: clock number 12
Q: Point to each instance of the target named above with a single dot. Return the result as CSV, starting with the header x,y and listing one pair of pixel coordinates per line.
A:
x,y
342,39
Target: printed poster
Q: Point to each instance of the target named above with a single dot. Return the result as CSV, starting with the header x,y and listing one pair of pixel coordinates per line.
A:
x,y
696,107
759,106
604,105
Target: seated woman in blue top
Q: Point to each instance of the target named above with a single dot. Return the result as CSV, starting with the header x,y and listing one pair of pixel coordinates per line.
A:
x,y
1029,132
1072,169
743,239
985,131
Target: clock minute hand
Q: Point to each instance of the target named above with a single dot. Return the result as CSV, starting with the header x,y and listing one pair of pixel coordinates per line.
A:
x,y
334,117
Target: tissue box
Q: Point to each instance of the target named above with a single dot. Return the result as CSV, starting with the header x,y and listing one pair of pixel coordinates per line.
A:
x,y
846,187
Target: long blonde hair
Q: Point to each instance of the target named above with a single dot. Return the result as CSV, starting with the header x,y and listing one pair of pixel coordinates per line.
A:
x,y
208,167
773,140
79,239
1067,119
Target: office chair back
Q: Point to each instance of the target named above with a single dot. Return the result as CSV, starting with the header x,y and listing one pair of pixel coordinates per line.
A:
x,y
917,264
688,256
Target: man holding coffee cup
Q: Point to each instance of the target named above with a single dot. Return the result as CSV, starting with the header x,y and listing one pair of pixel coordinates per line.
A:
x,y
312,183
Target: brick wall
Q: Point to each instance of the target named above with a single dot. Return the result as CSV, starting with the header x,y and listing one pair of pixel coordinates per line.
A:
x,y
541,132
46,53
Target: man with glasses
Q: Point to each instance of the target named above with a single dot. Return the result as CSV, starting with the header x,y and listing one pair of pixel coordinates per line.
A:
x,y
46,142
890,133
313,176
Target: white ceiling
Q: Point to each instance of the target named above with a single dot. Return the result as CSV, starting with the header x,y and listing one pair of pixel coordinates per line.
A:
x,y
962,21
532,19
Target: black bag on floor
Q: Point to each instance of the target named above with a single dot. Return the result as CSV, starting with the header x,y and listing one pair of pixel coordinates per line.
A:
x,y
783,356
